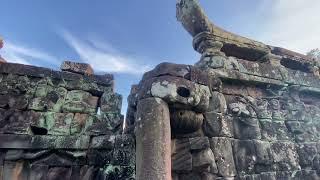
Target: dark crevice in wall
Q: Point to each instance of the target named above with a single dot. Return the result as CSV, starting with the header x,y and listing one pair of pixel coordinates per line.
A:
x,y
242,53
295,65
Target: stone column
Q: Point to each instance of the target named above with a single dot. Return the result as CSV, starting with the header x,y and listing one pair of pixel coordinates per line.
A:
x,y
153,140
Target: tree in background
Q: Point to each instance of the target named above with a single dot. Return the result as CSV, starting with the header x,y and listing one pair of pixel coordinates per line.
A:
x,y
1,46
314,53
1,42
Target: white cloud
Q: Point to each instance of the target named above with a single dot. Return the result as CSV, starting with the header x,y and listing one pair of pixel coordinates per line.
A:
x,y
17,53
292,24
102,56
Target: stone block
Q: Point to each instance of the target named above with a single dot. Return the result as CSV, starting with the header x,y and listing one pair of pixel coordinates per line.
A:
x,y
58,123
246,128
281,130
43,89
115,120
87,172
80,68
308,154
14,155
92,87
55,99
38,172
217,103
294,175
268,132
244,156
57,173
103,142
60,142
202,77
124,157
185,121
168,69
263,111
222,150
264,159
261,176
309,174
259,69
17,122
204,160
177,91
180,144
37,104
216,124
110,103
16,170
59,159
13,141
199,143
285,156
133,96
99,157
98,128
124,141
120,172
232,89
80,123
190,176
181,157
302,131
78,101
241,106
13,101
181,161
40,72
130,118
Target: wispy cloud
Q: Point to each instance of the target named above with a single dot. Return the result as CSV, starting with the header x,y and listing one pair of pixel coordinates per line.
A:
x,y
293,24
17,53
102,56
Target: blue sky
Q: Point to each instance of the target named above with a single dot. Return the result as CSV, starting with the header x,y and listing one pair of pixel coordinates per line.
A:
x,y
128,37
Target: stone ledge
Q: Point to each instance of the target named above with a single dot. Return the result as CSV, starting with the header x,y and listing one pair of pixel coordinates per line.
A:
x,y
20,69
11,141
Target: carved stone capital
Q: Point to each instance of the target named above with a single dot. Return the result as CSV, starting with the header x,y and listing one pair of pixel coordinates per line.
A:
x,y
206,44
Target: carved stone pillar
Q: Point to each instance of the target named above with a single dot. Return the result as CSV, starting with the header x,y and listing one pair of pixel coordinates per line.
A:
x,y
153,140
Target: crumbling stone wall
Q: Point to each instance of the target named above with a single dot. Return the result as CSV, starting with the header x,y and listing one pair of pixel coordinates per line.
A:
x,y
61,125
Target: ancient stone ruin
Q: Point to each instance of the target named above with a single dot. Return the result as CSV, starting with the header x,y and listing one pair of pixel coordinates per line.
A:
x,y
61,125
245,111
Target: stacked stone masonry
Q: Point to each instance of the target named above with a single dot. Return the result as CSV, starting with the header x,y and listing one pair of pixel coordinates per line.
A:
x,y
236,119
245,111
62,125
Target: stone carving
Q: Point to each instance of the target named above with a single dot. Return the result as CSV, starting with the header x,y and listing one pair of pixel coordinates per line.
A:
x,y
194,20
183,121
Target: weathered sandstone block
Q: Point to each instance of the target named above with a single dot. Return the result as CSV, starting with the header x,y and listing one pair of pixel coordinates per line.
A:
x,y
81,68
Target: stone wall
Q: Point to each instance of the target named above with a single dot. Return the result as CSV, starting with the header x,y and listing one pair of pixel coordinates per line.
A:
x,y
61,125
232,118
